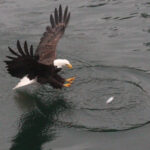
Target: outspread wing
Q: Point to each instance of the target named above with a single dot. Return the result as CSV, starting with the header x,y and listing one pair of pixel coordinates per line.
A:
x,y
23,62
46,49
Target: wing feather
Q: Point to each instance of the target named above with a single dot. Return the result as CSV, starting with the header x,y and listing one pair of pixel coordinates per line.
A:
x,y
31,50
46,49
20,48
60,13
65,13
52,21
56,16
10,57
26,48
23,64
13,52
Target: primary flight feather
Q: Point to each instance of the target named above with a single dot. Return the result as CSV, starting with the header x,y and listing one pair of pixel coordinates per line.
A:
x,y
46,49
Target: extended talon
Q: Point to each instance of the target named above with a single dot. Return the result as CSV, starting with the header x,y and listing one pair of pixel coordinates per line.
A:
x,y
70,79
67,85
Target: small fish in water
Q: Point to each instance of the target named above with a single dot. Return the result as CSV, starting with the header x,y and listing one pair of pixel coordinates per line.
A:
x,y
110,100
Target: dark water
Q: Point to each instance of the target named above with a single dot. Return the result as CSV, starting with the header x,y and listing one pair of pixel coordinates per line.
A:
x,y
108,43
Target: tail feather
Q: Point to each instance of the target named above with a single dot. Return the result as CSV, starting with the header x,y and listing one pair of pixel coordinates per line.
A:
x,y
24,81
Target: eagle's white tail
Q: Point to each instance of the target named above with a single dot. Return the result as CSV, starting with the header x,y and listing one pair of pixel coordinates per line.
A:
x,y
24,81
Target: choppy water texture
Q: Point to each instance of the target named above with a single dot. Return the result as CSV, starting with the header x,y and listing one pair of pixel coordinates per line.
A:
x,y
108,43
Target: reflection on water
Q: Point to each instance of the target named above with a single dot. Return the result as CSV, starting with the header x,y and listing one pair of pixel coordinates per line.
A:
x,y
37,126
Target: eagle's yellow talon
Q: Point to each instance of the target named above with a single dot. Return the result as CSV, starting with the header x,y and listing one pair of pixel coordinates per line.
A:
x,y
67,85
70,79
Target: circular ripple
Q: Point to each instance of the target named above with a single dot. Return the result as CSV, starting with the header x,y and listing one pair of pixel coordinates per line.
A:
x,y
93,86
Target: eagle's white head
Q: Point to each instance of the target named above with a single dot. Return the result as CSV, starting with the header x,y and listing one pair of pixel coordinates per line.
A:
x,y
60,63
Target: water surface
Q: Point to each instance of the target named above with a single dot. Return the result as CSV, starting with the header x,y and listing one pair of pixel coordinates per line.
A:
x,y
108,43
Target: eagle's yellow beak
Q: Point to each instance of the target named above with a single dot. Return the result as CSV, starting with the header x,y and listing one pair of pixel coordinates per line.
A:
x,y
69,66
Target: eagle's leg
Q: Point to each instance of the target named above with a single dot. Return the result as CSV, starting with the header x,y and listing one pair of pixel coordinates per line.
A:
x,y
70,80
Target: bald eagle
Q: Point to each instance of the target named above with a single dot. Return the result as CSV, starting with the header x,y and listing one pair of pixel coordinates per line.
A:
x,y
42,66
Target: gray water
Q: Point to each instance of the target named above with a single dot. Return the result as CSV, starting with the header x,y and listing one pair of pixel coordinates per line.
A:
x,y
108,44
